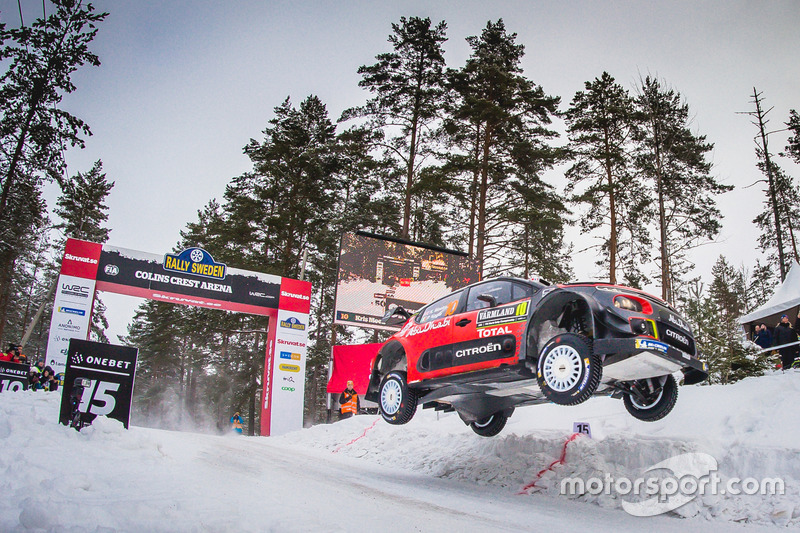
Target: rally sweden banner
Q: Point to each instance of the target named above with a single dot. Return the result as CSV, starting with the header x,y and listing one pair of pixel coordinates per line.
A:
x,y
192,277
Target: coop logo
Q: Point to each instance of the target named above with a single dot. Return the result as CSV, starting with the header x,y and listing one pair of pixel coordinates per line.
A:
x,y
290,389
111,270
290,355
195,261
80,259
78,291
72,311
293,324
293,295
289,368
479,350
677,336
647,344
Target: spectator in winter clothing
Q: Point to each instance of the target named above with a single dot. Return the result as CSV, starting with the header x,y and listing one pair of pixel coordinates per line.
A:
x,y
16,355
348,402
763,337
785,334
236,423
48,379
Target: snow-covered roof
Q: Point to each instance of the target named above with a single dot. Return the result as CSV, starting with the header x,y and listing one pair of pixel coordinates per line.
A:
x,y
785,298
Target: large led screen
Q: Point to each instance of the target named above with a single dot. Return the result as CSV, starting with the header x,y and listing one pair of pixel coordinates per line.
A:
x,y
377,272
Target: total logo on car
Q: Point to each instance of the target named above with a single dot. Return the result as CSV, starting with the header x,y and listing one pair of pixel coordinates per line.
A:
x,y
502,343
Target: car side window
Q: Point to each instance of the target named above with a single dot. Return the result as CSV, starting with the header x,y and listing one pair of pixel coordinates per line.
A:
x,y
520,291
500,290
440,308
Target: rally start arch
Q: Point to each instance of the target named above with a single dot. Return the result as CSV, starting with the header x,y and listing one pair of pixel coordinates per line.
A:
x,y
192,278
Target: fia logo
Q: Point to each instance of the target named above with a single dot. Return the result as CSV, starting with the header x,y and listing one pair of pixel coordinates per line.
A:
x,y
111,270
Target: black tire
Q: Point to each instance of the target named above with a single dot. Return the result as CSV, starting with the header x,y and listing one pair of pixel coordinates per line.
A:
x,y
491,425
396,401
568,371
657,405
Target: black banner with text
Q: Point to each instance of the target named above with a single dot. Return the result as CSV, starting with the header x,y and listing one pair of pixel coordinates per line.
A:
x,y
13,376
98,381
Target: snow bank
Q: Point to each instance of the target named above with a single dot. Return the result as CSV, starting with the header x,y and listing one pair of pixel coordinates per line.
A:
x,y
433,473
749,428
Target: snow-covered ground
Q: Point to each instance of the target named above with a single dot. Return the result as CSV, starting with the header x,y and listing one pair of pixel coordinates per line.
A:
x,y
433,474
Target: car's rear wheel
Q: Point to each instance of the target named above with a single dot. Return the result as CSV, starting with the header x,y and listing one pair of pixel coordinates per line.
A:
x,y
568,371
491,425
651,405
396,401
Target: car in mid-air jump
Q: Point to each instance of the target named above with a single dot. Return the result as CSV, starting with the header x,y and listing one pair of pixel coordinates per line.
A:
x,y
505,342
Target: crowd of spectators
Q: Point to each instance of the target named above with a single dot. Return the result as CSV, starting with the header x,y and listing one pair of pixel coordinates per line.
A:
x,y
783,338
40,377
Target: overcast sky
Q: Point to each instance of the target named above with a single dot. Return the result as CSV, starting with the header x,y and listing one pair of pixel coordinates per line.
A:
x,y
184,85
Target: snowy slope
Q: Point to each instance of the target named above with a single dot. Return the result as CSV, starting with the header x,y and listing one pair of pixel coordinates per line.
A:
x,y
433,474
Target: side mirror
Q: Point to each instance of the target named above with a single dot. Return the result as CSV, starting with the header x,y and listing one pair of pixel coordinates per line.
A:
x,y
488,298
395,316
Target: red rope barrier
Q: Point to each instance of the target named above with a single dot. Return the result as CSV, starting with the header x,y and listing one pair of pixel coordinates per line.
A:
x,y
559,461
357,438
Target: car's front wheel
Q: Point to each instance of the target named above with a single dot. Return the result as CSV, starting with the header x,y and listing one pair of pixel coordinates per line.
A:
x,y
568,372
651,400
396,401
491,425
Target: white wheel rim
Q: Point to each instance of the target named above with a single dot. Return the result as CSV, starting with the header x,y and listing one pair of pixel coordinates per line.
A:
x,y
391,397
561,368
649,405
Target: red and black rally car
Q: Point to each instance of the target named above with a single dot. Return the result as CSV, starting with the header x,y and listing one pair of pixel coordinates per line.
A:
x,y
501,343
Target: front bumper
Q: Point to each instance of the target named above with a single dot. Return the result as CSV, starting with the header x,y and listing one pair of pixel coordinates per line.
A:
x,y
633,358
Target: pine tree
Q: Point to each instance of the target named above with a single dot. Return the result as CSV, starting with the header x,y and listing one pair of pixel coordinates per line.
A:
x,y
793,146
599,126
408,88
673,161
778,219
499,119
761,286
83,213
773,238
735,358
274,209
34,128
82,206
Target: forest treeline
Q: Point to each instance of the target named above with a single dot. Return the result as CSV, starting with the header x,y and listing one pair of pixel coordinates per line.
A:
x,y
467,157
